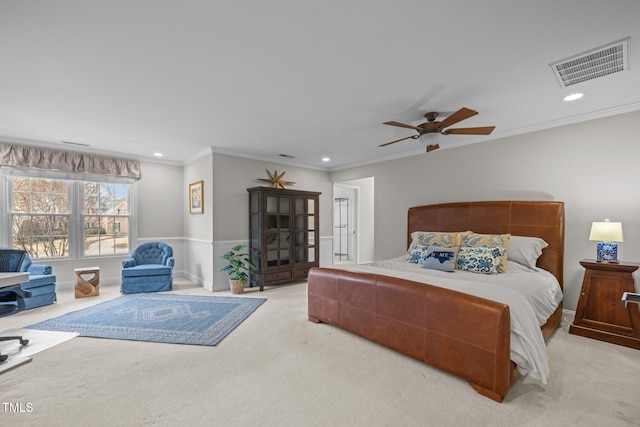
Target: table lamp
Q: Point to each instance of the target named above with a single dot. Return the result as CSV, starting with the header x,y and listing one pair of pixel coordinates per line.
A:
x,y
606,234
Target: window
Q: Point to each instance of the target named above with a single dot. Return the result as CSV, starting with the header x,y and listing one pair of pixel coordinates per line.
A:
x,y
105,218
40,216
68,218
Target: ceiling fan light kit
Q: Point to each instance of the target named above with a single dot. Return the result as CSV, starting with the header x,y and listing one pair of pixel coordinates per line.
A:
x,y
432,129
430,141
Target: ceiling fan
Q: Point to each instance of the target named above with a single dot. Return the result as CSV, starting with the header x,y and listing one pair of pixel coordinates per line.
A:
x,y
438,127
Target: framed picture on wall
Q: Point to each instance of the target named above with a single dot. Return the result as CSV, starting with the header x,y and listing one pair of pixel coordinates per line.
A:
x,y
196,197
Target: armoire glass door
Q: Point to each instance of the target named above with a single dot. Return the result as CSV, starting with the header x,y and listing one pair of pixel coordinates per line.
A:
x,y
304,229
278,233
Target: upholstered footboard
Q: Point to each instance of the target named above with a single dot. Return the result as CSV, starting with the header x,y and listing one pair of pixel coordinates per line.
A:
x,y
459,333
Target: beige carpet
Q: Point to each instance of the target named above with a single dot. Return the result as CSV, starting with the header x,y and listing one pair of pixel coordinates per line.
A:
x,y
278,369
38,341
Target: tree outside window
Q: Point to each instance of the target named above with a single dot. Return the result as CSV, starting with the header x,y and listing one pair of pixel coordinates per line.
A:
x,y
46,223
40,216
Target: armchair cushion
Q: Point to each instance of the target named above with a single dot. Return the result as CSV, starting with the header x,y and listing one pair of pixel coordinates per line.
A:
x,y
146,270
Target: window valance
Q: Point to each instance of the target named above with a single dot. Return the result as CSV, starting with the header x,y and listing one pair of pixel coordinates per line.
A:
x,y
18,156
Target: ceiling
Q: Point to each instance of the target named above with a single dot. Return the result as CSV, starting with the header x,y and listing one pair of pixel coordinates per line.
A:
x,y
306,79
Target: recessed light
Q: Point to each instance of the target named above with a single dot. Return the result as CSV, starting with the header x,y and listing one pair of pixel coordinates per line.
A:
x,y
326,159
573,96
157,154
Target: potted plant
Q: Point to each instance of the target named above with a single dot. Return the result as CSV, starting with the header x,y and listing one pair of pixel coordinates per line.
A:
x,y
239,266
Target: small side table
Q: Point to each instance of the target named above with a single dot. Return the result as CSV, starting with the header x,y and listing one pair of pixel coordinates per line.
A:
x,y
600,314
87,287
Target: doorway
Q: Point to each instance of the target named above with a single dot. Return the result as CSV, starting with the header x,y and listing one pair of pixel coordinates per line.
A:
x,y
353,223
345,231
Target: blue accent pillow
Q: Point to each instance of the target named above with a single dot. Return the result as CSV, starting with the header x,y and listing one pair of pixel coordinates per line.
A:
x,y
439,258
482,259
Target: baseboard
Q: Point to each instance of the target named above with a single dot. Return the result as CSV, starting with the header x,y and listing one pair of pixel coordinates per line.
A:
x,y
568,316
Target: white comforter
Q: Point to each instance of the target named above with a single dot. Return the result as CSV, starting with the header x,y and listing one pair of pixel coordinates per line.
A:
x,y
532,296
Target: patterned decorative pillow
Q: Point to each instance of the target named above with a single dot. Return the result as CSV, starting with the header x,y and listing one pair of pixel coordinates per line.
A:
x,y
434,238
417,254
470,239
482,259
439,258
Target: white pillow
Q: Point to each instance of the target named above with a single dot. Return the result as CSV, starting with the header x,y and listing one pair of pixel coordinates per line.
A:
x,y
525,250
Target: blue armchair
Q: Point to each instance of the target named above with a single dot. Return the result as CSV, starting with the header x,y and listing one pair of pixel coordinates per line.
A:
x,y
41,286
148,269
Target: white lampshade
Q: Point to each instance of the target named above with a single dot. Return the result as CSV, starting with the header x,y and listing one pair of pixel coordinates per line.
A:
x,y
606,231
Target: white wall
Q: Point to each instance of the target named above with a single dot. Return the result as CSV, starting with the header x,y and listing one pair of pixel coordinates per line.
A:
x,y
231,177
591,166
159,214
198,228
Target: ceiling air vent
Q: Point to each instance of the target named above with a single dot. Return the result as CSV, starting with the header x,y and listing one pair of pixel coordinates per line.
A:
x,y
593,64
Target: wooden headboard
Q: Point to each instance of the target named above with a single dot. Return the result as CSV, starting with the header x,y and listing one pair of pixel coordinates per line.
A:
x,y
521,218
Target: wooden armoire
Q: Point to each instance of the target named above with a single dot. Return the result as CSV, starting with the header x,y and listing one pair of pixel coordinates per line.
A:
x,y
283,234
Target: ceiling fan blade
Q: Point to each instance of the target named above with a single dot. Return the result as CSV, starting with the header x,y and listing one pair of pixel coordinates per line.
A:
x,y
398,140
486,130
432,147
402,125
458,116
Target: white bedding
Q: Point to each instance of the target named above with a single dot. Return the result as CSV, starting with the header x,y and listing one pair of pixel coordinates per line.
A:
x,y
532,296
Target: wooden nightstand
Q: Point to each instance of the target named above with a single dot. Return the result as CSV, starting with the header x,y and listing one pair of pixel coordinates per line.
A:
x,y
600,314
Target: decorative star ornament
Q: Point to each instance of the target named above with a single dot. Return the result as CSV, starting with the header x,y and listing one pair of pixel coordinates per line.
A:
x,y
276,180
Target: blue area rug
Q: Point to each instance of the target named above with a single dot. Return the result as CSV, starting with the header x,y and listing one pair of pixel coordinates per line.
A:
x,y
166,318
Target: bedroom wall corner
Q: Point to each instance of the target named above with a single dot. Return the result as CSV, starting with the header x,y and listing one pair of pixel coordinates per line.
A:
x,y
198,227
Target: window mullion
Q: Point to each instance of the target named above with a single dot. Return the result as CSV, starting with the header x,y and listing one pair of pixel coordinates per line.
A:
x,y
5,209
75,234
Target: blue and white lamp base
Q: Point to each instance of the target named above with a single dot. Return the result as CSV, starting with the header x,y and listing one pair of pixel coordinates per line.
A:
x,y
607,252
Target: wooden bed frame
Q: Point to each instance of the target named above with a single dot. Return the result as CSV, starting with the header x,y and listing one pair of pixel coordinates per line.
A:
x,y
462,334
